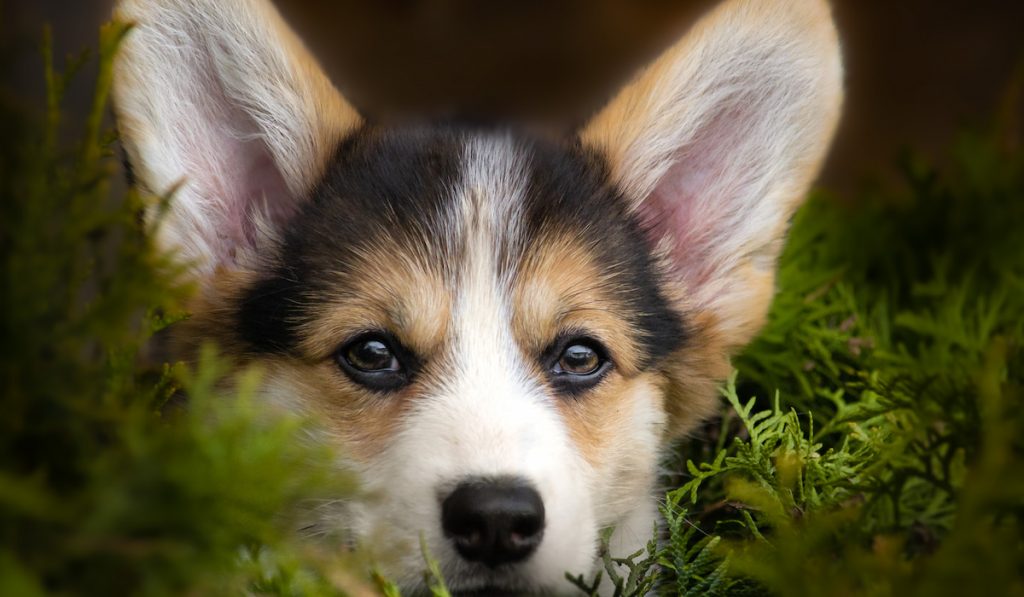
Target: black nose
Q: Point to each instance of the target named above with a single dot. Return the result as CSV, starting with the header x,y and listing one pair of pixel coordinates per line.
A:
x,y
494,522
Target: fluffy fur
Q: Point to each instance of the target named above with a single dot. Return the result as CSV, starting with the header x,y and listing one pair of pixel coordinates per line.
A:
x,y
653,233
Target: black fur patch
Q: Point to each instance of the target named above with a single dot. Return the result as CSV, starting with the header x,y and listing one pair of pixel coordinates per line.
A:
x,y
399,184
267,313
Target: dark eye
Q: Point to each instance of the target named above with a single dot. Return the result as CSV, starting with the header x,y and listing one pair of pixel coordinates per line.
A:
x,y
579,359
375,361
579,364
371,355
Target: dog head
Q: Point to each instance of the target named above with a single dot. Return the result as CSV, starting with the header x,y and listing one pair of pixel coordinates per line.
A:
x,y
499,331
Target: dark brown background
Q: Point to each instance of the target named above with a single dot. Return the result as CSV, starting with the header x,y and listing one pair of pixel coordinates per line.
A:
x,y
917,70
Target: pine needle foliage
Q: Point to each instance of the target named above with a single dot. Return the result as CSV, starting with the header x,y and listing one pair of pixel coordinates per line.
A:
x,y
871,441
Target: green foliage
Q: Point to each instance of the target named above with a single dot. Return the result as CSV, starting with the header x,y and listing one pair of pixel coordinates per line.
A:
x,y
690,558
871,442
432,577
106,488
639,568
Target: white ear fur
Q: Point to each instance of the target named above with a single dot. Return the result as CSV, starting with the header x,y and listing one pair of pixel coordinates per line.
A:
x,y
717,142
218,101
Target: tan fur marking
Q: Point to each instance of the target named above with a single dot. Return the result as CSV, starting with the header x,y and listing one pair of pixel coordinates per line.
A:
x,y
597,421
359,421
387,292
692,376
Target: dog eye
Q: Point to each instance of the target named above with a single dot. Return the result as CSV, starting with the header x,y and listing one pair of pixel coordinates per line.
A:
x,y
578,365
579,359
373,361
371,355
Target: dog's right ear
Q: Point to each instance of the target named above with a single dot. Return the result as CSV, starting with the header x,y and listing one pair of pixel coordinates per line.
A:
x,y
715,144
219,102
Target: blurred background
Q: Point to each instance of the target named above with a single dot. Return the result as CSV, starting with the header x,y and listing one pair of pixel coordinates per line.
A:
x,y
917,71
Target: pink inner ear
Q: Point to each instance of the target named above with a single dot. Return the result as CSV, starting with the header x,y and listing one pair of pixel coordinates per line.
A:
x,y
269,200
236,178
700,205
669,218
688,211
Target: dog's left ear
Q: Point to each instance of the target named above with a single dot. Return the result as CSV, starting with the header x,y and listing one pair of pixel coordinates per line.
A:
x,y
716,143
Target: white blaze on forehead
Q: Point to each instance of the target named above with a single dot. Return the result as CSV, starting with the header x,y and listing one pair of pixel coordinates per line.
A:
x,y
511,425
493,182
500,421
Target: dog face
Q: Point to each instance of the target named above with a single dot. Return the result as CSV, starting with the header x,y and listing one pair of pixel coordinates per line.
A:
x,y
500,331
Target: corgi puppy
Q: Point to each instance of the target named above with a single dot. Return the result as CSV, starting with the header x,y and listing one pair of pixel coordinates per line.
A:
x,y
500,332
